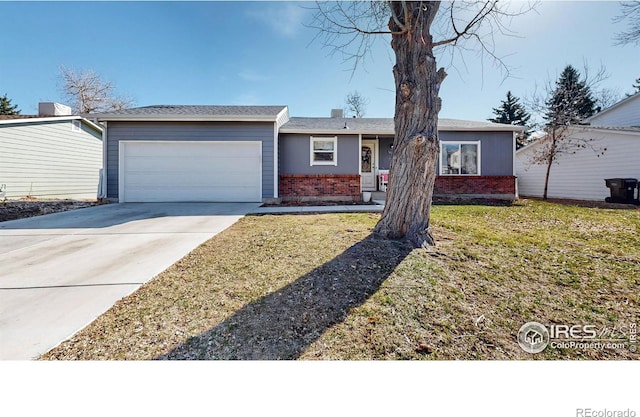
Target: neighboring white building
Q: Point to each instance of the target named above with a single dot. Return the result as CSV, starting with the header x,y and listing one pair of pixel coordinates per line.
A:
x,y
624,113
50,157
581,176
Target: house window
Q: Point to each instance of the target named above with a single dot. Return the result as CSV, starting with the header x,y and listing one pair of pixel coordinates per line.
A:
x,y
323,151
460,158
76,126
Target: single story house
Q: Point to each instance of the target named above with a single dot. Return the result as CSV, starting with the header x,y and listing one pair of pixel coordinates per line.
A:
x,y
259,153
613,136
50,156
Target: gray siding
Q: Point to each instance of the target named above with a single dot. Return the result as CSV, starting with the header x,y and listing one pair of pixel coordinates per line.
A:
x,y
50,160
189,131
496,150
294,155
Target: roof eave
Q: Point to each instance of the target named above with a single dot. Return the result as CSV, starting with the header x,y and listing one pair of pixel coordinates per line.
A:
x,y
337,131
507,128
612,107
185,118
51,119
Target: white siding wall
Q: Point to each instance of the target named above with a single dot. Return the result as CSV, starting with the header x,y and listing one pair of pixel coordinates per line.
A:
x,y
581,176
626,114
49,160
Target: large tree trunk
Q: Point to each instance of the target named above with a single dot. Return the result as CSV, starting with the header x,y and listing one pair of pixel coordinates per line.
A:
x,y
416,146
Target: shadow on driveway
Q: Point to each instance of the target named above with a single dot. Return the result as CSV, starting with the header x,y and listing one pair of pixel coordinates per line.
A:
x,y
284,323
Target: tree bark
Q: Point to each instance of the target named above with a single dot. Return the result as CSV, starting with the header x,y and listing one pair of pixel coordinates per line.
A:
x,y
416,145
551,157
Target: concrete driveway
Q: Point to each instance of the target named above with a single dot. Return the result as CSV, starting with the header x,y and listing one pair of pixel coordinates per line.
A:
x,y
59,272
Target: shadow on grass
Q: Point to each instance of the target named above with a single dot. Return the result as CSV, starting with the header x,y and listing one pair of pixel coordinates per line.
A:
x,y
282,324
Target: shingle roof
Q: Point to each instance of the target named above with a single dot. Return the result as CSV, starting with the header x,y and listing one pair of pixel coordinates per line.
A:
x,y
380,125
318,124
195,112
17,116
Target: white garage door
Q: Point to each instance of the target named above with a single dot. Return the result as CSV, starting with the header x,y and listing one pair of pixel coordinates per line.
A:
x,y
190,171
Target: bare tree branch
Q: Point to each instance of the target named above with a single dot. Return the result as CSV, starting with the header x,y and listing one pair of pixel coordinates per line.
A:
x,y
88,93
630,12
356,105
344,27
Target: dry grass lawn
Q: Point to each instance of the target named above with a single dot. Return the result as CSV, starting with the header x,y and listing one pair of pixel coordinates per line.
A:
x,y
321,287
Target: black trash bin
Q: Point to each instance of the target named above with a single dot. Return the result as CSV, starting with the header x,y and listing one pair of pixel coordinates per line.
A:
x,y
622,190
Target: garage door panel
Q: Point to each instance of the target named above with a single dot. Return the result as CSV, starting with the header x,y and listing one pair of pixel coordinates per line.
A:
x,y
167,194
185,180
191,171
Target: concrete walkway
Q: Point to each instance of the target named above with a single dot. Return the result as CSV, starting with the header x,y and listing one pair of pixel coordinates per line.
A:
x,y
60,271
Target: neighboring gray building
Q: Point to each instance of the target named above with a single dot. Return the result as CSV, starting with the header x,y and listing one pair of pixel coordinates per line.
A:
x,y
50,157
258,153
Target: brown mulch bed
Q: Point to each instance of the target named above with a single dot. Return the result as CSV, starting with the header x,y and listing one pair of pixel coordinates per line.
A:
x,y
19,209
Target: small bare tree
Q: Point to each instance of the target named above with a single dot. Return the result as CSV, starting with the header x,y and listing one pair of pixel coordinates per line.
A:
x,y
559,141
417,30
88,93
356,105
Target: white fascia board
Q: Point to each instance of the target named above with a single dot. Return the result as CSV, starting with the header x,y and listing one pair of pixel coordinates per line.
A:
x,y
95,126
513,150
617,130
104,160
275,160
282,117
391,133
39,120
336,132
507,128
174,118
32,120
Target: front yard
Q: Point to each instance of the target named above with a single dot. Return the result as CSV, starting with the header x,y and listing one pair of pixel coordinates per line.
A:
x,y
321,287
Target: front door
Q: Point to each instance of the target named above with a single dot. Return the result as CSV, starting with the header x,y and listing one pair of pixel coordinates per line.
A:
x,y
367,166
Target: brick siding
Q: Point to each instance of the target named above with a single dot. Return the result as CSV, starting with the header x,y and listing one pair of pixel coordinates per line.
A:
x,y
320,186
460,184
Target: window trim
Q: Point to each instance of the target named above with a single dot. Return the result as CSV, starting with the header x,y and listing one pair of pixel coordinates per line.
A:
x,y
313,139
478,143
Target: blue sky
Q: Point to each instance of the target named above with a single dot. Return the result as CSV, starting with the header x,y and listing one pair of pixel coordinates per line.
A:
x,y
261,53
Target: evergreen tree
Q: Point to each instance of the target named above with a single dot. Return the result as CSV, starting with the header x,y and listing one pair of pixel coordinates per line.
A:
x,y
6,108
636,87
571,101
511,112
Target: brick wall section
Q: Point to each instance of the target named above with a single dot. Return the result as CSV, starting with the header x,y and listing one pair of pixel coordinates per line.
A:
x,y
319,185
454,184
331,185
